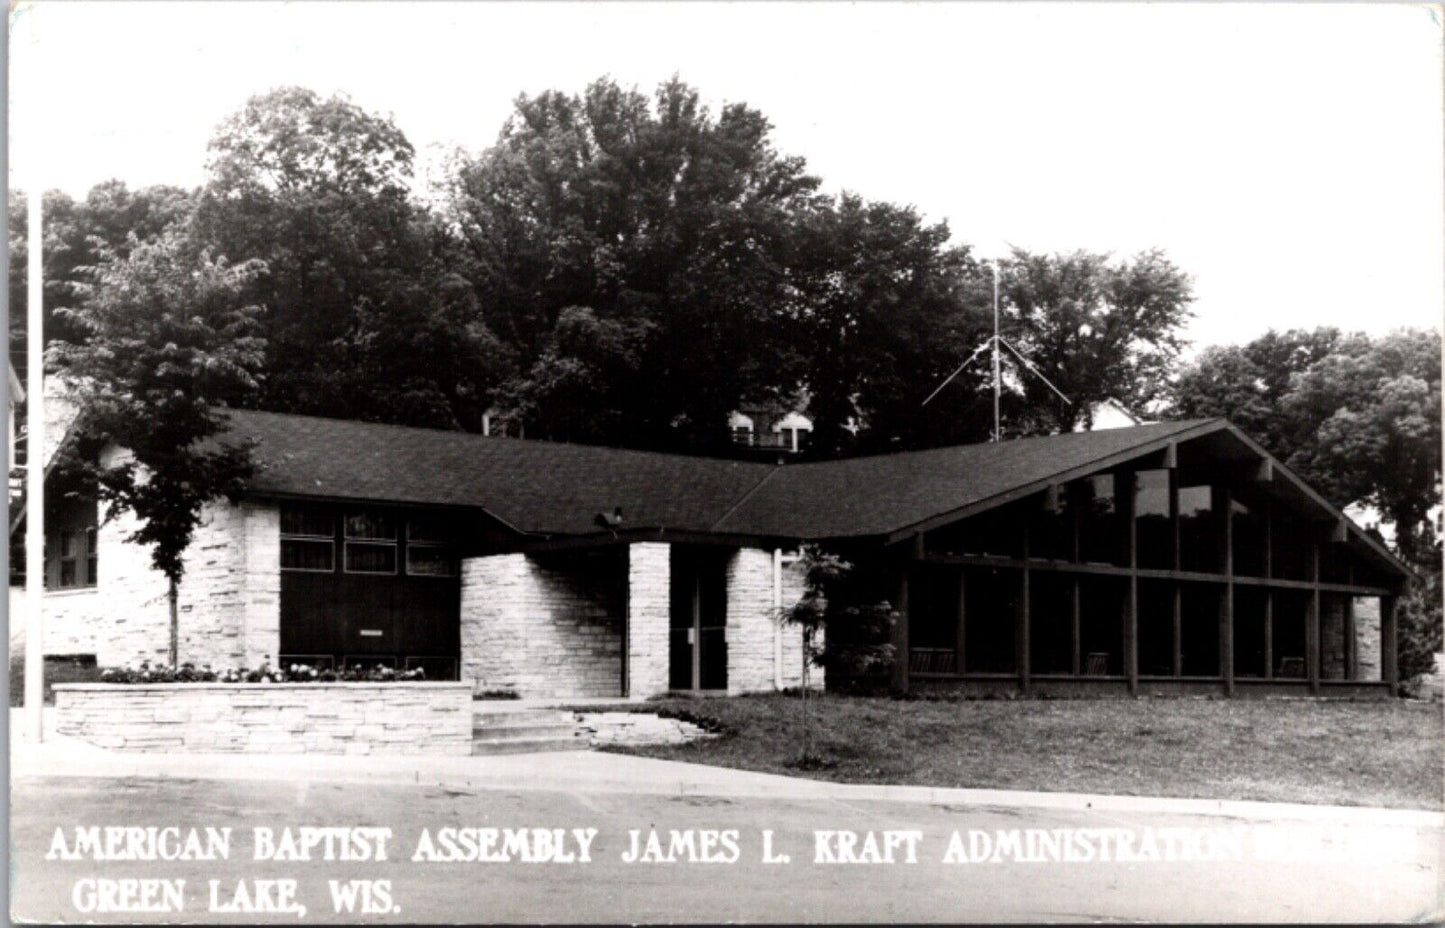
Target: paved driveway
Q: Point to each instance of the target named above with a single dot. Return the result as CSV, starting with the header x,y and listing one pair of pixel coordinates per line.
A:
x,y
1399,883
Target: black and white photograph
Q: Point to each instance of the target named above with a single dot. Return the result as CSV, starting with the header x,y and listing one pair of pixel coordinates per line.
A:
x,y
725,462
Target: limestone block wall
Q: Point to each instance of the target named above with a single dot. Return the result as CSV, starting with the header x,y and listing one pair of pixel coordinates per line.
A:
x,y
649,580
752,629
70,617
1367,638
270,718
230,596
750,626
548,628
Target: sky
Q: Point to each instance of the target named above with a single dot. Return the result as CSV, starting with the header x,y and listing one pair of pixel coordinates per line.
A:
x,y
1289,157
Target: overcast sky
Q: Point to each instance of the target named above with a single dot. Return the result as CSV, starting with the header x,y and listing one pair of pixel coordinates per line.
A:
x,y
1288,156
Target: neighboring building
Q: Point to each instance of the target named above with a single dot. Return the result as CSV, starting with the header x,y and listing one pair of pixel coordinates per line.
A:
x,y
1177,557
759,428
1109,414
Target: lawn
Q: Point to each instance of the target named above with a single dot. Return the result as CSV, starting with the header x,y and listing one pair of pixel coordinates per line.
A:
x,y
1371,753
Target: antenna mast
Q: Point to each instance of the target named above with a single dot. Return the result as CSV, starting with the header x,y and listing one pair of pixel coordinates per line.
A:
x,y
994,341
997,379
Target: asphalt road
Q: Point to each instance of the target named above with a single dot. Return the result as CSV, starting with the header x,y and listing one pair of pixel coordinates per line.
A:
x,y
1365,887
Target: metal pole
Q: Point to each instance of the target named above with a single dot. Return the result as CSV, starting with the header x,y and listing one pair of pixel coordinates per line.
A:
x,y
997,382
35,478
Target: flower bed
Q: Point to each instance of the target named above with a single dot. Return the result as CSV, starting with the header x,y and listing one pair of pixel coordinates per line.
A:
x,y
273,717
292,673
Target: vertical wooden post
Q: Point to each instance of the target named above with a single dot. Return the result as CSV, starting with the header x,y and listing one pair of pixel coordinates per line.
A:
x,y
1075,603
1224,507
1131,603
1389,643
1312,621
1076,635
1177,665
1348,619
1269,590
903,607
1023,619
960,664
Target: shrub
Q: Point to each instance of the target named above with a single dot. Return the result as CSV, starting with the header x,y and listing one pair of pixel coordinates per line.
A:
x,y
147,672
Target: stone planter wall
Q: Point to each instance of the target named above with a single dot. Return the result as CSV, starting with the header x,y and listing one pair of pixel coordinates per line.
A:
x,y
270,718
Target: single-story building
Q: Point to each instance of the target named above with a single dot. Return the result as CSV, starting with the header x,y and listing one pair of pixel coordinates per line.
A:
x,y
1166,558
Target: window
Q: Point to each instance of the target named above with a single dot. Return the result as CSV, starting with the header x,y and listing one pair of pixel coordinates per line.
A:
x,y
308,539
69,547
1100,531
428,549
370,543
77,559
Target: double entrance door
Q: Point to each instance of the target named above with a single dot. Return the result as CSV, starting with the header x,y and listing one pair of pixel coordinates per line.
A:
x,y
698,649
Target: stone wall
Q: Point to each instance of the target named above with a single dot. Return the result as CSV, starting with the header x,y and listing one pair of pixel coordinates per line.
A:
x,y
649,582
270,718
229,601
750,630
1367,638
554,628
543,627
70,617
753,633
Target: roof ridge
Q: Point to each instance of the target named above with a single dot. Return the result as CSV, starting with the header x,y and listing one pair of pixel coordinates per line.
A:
x,y
530,442
1179,423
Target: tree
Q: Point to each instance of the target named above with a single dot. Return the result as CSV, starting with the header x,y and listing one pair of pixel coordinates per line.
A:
x,y
854,646
1248,384
1356,417
364,316
669,224
168,337
1097,329
75,232
881,309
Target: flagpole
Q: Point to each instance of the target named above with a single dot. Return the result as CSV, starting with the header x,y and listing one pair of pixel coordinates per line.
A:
x,y
34,474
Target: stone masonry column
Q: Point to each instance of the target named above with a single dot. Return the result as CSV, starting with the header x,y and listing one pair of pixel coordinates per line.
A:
x,y
261,583
649,581
750,628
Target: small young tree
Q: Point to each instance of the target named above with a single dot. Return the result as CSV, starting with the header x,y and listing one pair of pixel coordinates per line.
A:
x,y
168,338
857,643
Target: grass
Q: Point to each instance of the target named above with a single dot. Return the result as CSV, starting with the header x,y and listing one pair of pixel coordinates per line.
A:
x,y
57,670
1369,753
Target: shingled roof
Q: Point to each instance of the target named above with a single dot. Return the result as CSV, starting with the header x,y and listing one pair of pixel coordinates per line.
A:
x,y
552,489
535,487
883,494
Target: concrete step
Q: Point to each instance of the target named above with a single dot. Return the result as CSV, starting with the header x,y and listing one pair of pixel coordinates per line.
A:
x,y
527,745
524,718
525,732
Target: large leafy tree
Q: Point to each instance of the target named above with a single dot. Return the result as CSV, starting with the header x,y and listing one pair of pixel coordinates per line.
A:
x,y
76,232
1357,417
667,223
1097,328
363,316
881,308
168,338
